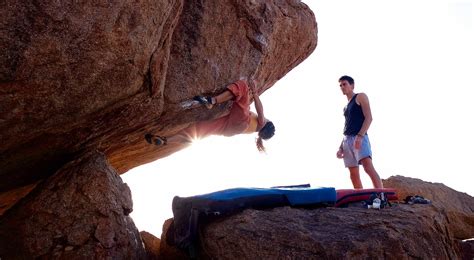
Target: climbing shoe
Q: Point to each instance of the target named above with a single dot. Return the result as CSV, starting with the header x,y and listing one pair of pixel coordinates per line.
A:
x,y
155,139
207,101
148,138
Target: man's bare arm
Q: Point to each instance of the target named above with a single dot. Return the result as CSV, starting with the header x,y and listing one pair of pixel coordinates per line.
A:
x,y
258,105
363,100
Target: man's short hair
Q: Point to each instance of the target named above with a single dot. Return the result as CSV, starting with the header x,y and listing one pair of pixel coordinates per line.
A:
x,y
348,78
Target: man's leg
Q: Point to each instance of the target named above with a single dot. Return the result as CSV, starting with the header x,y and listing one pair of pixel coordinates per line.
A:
x,y
209,101
235,91
223,97
183,137
355,177
350,161
370,170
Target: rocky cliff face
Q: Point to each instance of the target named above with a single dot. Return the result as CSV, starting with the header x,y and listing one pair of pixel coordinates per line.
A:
x,y
82,82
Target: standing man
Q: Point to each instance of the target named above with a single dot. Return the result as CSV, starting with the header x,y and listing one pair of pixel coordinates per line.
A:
x,y
355,147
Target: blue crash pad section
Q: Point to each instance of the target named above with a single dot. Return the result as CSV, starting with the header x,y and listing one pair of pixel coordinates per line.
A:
x,y
310,196
295,196
190,212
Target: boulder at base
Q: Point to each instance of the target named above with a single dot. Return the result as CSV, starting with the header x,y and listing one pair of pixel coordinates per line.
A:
x,y
403,231
81,212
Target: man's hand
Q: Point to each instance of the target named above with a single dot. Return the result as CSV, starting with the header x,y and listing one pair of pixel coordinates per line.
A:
x,y
251,83
357,142
340,154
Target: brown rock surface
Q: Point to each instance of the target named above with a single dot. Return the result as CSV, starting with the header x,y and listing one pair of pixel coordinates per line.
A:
x,y
458,206
167,250
152,245
82,212
401,232
99,75
75,76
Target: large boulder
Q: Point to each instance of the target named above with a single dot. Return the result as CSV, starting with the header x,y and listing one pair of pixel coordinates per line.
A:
x,y
87,76
82,212
214,44
83,76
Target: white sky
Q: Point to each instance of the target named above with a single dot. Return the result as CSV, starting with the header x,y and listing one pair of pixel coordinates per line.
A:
x,y
414,59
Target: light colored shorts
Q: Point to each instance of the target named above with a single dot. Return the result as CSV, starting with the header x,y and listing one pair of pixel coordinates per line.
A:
x,y
352,156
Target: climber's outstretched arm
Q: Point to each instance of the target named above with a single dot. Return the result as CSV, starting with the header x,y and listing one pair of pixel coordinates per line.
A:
x,y
258,104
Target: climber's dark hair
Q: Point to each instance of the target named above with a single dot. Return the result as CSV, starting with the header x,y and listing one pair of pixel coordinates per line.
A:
x,y
267,131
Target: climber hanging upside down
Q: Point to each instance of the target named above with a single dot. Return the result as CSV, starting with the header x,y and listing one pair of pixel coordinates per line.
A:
x,y
240,120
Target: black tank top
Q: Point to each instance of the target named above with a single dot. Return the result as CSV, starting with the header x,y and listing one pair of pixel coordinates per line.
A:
x,y
354,117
